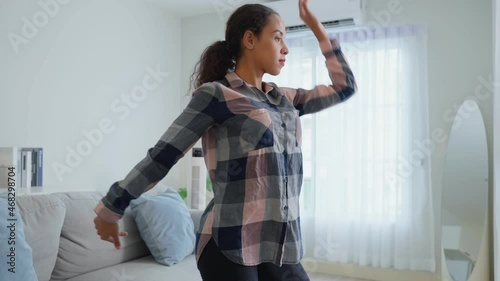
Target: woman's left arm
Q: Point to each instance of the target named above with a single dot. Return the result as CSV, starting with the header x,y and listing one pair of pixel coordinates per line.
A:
x,y
343,82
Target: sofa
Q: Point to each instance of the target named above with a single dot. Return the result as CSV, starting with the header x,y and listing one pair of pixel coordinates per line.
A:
x,y
59,229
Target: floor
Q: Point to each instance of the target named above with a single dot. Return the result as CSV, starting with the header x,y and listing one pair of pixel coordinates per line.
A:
x,y
324,277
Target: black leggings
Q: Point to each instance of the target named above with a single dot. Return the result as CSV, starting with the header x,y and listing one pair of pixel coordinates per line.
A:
x,y
214,266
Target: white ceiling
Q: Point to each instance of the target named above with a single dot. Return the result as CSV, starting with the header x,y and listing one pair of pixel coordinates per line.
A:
x,y
190,8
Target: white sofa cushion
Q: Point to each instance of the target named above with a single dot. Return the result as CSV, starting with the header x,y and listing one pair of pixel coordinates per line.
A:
x,y
145,269
43,217
81,250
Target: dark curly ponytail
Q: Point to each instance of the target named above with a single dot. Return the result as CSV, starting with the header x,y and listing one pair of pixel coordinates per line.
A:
x,y
214,63
221,56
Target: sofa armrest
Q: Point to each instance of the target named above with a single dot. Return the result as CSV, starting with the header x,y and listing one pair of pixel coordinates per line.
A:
x,y
195,216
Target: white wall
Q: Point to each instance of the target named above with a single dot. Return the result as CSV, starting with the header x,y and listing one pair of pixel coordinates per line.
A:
x,y
460,55
496,219
70,74
197,34
451,235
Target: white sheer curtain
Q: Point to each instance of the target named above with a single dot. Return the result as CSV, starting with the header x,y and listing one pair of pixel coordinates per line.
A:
x,y
367,193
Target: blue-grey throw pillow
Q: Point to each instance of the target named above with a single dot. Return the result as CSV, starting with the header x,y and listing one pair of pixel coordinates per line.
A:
x,y
16,257
165,226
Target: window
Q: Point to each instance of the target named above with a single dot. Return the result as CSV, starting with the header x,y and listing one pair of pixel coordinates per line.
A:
x,y
356,194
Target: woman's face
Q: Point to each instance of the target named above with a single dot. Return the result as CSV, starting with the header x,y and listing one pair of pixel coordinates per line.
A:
x,y
270,49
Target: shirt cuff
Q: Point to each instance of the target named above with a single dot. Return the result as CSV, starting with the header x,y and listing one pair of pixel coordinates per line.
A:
x,y
106,214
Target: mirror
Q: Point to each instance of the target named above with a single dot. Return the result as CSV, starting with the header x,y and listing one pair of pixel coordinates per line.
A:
x,y
465,192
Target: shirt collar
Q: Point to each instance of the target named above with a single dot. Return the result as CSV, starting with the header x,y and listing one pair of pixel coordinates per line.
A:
x,y
235,82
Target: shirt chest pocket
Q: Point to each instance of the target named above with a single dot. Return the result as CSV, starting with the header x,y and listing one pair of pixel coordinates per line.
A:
x,y
291,129
256,131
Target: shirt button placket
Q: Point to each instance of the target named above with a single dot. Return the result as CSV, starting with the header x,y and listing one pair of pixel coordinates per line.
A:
x,y
285,207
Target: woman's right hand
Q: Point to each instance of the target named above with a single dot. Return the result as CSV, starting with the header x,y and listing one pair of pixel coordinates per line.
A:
x,y
109,231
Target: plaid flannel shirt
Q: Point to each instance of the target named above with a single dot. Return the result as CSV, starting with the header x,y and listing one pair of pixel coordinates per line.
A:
x,y
251,142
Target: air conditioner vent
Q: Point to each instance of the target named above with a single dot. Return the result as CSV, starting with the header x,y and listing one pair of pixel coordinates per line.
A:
x,y
330,12
327,24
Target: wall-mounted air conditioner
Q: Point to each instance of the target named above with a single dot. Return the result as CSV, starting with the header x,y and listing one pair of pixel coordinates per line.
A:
x,y
329,12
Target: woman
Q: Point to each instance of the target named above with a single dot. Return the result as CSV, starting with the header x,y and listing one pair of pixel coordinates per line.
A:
x,y
251,140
